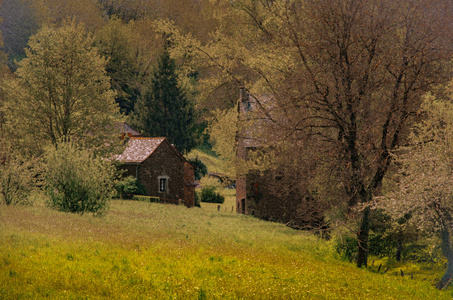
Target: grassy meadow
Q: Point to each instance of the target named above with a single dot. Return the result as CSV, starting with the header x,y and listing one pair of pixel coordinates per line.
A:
x,y
154,251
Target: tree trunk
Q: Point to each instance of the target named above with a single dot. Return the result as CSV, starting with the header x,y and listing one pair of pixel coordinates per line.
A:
x,y
399,247
362,238
448,253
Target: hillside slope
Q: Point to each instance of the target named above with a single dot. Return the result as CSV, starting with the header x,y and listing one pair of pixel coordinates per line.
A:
x,y
155,251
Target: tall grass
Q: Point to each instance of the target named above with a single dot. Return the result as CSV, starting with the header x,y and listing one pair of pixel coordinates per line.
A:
x,y
154,251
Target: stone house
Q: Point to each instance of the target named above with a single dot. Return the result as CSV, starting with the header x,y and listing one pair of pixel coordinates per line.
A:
x,y
278,194
249,187
161,168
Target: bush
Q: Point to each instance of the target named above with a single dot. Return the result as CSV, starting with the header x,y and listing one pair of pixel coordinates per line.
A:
x,y
128,187
208,194
200,168
197,199
77,182
16,181
347,248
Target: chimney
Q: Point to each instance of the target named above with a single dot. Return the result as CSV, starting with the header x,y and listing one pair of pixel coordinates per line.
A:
x,y
243,95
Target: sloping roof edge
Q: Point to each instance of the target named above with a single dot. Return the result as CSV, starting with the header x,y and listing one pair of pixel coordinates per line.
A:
x,y
141,152
178,153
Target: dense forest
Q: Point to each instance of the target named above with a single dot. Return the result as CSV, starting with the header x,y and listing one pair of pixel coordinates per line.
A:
x,y
353,100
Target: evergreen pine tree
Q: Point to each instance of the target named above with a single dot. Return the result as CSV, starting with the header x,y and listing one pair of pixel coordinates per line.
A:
x,y
165,109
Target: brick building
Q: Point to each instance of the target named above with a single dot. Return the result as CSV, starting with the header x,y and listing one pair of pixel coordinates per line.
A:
x,y
161,168
280,193
249,187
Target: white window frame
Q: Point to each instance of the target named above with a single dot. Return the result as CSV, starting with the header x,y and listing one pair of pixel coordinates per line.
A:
x,y
159,186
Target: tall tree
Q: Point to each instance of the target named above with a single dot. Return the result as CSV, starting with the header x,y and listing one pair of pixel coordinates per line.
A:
x,y
114,42
131,49
345,78
423,192
61,91
165,110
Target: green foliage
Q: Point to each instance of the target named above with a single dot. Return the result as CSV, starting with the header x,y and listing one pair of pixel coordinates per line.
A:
x,y
129,186
55,12
166,109
223,129
347,247
116,44
212,161
381,244
422,252
423,186
197,199
424,190
200,168
383,239
61,92
17,178
209,194
17,23
3,55
76,181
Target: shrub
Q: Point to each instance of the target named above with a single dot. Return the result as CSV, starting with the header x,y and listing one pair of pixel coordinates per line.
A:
x,y
16,181
347,248
197,199
199,168
208,194
76,181
129,186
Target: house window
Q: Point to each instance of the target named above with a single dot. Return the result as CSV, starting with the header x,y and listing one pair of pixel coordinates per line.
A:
x,y
163,184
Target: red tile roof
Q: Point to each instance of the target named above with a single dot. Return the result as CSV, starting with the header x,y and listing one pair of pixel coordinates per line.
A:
x,y
138,149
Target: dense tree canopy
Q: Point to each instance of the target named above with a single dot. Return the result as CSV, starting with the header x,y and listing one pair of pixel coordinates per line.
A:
x,y
166,109
55,12
115,44
422,188
19,22
345,78
61,91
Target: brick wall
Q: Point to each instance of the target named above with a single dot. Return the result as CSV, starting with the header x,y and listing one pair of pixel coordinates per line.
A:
x,y
165,162
189,186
